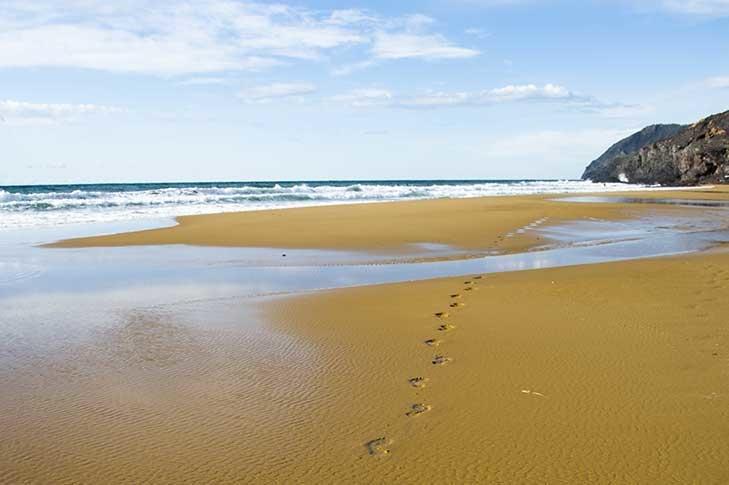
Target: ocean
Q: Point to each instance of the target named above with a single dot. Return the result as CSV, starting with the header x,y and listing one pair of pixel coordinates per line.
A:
x,y
53,205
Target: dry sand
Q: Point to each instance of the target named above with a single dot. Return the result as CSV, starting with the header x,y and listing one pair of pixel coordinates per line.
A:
x,y
610,373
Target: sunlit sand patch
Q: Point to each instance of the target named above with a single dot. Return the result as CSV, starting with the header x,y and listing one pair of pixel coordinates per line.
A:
x,y
533,393
441,360
378,446
418,409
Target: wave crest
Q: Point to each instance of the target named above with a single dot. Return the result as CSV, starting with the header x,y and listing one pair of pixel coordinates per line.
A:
x,y
52,205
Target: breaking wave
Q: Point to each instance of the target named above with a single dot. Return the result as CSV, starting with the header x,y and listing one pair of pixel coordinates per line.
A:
x,y
49,205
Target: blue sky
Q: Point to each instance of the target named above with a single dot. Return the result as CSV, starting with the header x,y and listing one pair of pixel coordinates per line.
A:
x,y
173,90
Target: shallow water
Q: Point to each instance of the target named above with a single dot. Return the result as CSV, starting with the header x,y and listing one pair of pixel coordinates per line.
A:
x,y
598,199
26,269
99,346
49,296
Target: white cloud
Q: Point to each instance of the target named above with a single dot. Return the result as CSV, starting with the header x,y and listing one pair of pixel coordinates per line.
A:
x,y
417,22
205,81
352,16
528,91
507,94
718,82
423,46
178,37
360,98
24,113
523,92
269,92
165,37
698,7
712,8
533,93
437,99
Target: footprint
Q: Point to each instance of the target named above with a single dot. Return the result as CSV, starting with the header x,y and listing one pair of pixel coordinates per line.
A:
x,y
456,304
378,446
467,282
469,288
477,277
417,409
432,342
418,382
456,295
446,327
440,360
442,314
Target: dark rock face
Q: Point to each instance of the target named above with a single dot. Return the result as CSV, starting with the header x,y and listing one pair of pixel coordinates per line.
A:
x,y
603,168
693,155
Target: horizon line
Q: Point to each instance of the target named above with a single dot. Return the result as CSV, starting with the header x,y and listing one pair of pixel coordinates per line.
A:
x,y
290,181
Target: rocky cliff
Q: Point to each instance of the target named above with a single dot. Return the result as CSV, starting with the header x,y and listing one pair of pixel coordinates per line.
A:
x,y
669,155
603,168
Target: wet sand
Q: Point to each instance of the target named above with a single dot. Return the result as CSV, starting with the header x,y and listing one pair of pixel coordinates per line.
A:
x,y
611,373
590,374
471,224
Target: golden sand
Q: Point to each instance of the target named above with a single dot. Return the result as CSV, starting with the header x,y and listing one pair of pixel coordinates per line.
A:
x,y
471,224
610,373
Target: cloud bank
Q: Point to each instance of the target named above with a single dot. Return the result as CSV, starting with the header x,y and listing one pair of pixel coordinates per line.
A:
x,y
23,113
526,93
186,37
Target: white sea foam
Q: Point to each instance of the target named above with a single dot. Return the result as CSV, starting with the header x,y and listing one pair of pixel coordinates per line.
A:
x,y
89,204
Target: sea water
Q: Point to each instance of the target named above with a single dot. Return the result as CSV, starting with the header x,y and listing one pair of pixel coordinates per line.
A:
x,y
53,205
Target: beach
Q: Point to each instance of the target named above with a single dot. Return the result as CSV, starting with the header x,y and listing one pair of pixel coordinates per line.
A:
x,y
591,373
470,224
443,242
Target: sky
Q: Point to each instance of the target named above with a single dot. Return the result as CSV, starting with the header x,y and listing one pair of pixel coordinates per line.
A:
x,y
211,90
